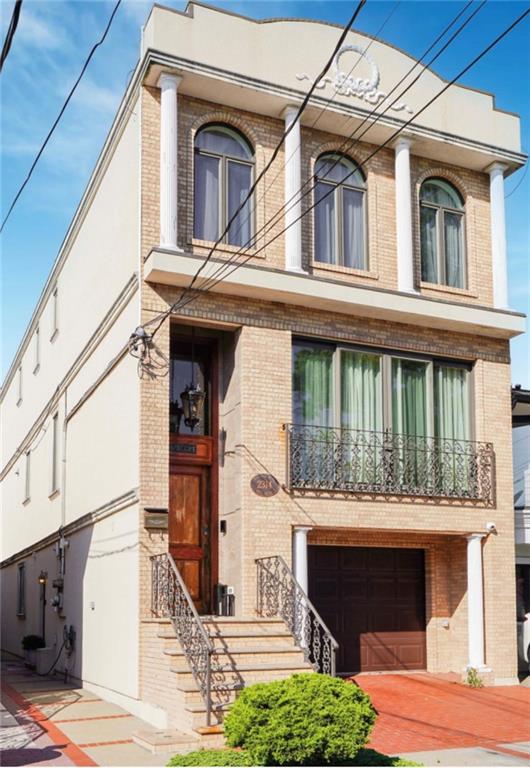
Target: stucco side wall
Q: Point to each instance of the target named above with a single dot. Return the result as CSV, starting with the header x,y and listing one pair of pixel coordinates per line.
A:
x,y
100,601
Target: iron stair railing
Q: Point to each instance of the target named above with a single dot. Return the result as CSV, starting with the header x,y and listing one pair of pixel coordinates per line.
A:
x,y
279,594
170,597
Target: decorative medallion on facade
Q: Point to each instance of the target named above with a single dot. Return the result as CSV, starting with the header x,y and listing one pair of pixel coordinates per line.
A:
x,y
364,88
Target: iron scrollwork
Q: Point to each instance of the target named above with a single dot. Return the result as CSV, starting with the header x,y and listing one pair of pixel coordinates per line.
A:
x,y
279,594
362,461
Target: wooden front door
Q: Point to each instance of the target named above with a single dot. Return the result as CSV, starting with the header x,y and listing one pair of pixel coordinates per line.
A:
x,y
373,601
192,518
189,530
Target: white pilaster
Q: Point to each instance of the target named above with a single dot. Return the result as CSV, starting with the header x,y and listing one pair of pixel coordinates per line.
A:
x,y
168,85
300,568
293,183
498,236
405,264
475,601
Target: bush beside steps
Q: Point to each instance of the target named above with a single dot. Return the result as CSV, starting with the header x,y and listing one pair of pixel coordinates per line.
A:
x,y
304,720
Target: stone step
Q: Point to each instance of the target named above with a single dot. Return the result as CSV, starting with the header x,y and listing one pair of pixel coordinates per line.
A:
x,y
237,655
182,668
170,740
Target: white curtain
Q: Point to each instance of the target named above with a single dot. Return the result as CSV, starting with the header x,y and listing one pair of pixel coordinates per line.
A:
x,y
206,226
353,223
429,268
454,268
325,236
239,183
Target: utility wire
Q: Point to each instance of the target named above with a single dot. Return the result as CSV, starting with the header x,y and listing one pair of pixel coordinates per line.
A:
x,y
63,108
160,318
13,24
349,143
282,140
518,183
460,74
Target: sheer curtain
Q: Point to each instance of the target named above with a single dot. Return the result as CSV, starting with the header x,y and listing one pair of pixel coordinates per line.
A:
x,y
353,224
325,235
429,267
451,424
361,409
409,419
206,224
312,451
239,183
454,268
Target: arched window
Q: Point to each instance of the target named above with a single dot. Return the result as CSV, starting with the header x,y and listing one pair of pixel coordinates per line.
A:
x,y
224,164
442,234
339,212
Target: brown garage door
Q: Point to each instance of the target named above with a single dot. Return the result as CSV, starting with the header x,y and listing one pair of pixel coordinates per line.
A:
x,y
373,601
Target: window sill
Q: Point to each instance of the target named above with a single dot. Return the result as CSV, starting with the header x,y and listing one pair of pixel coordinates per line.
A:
x,y
54,335
225,248
448,289
53,494
36,369
26,501
344,270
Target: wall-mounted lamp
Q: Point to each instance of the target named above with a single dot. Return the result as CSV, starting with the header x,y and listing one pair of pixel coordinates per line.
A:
x,y
43,577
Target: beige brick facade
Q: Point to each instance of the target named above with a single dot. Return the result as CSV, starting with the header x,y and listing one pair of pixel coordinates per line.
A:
x,y
256,394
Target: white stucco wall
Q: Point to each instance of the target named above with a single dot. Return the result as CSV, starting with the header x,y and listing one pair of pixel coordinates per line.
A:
x,y
100,601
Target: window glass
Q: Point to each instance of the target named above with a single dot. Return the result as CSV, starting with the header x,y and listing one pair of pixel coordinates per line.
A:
x,y
429,259
313,385
353,224
221,140
441,234
409,397
338,168
239,183
453,249
206,197
451,402
325,233
440,192
21,590
361,391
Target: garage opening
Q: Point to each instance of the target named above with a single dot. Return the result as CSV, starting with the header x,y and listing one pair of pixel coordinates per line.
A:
x,y
373,601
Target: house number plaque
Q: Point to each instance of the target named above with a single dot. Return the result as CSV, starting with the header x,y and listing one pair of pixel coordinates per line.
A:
x,y
264,485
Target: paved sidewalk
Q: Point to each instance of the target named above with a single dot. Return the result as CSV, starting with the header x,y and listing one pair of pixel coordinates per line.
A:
x,y
438,721
48,722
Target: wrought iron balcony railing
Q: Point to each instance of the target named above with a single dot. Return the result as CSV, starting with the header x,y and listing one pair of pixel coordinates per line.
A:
x,y
357,461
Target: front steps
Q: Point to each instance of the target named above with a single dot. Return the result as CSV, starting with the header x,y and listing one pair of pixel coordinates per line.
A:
x,y
247,651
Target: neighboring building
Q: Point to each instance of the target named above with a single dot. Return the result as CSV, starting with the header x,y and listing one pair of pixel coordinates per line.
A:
x,y
356,371
521,502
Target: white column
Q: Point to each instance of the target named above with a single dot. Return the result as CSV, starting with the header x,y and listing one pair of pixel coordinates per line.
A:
x,y
300,556
498,236
168,85
293,183
405,264
475,601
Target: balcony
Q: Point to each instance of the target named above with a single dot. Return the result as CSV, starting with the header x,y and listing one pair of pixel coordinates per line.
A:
x,y
325,459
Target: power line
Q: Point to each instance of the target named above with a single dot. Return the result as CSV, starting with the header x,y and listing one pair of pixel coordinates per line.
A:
x,y
159,319
283,209
281,142
460,74
63,108
518,183
13,24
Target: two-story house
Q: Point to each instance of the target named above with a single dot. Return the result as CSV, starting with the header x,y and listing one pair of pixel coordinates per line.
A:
x,y
521,501
316,441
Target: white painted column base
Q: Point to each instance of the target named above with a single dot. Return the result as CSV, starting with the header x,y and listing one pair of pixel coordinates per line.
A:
x,y
475,603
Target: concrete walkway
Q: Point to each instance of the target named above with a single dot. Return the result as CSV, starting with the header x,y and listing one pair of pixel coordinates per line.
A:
x,y
48,722
436,720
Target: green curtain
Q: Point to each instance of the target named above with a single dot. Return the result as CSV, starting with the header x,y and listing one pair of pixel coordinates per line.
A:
x,y
361,411
410,458
313,386
451,425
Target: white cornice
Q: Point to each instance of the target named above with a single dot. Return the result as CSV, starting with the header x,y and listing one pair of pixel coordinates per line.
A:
x,y
169,268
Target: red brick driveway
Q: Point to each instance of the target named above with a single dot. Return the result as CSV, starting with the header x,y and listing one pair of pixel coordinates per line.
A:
x,y
420,712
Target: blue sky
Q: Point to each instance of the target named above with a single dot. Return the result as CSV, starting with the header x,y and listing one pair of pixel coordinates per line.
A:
x,y
51,44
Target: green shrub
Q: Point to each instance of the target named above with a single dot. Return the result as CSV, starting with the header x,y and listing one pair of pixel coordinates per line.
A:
x,y
32,642
307,719
212,757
